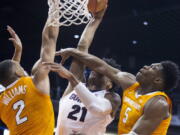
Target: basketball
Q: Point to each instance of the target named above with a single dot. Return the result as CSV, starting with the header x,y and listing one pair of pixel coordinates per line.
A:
x,y
95,6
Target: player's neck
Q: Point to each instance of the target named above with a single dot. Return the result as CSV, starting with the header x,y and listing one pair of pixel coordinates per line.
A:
x,y
94,87
145,90
10,81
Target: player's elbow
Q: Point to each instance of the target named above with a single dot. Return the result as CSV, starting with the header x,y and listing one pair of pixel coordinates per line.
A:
x,y
101,69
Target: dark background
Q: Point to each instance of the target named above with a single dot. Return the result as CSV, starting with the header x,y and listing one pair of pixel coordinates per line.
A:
x,y
133,32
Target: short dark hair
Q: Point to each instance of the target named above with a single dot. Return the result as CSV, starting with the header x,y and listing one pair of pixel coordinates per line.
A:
x,y
171,74
6,67
114,64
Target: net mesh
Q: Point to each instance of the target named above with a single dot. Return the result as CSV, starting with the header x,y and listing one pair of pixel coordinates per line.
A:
x,y
68,12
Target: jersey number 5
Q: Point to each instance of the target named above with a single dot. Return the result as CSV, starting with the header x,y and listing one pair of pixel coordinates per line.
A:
x,y
20,106
126,114
77,109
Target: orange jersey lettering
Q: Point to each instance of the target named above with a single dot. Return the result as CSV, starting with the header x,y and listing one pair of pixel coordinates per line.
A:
x,y
25,110
132,110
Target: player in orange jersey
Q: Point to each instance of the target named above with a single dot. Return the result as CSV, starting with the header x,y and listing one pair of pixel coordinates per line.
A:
x,y
25,104
17,45
16,57
146,108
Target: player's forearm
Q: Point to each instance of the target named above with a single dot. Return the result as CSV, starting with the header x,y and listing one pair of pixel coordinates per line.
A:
x,y
96,105
77,67
50,32
17,55
73,80
49,36
91,61
88,35
49,39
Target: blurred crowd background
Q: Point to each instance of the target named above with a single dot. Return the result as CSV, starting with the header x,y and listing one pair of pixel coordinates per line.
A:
x,y
134,33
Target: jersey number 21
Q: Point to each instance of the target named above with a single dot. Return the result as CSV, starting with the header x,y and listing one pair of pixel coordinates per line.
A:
x,y
77,109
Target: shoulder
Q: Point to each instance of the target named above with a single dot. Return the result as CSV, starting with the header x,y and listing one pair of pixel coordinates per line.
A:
x,y
28,80
157,106
126,74
125,79
157,101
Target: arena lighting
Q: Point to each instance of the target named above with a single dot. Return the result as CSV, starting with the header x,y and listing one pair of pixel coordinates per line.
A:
x,y
145,23
76,36
134,42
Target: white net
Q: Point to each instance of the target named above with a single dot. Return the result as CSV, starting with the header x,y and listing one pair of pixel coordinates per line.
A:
x,y
68,12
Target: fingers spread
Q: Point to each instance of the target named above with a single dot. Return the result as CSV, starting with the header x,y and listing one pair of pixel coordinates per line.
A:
x,y
58,53
12,39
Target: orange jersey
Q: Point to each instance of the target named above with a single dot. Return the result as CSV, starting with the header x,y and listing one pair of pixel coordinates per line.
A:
x,y
132,110
25,110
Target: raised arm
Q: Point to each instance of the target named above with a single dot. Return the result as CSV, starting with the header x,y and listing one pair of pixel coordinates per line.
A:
x,y
89,31
48,47
122,79
77,68
17,44
155,111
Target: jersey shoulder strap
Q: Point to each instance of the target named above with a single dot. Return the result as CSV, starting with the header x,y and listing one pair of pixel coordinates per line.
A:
x,y
132,87
29,82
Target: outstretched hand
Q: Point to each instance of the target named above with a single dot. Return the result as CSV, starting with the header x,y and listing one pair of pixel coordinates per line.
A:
x,y
14,38
64,53
58,68
100,14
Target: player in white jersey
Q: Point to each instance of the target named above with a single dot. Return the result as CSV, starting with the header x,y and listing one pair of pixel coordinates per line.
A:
x,y
82,111
76,115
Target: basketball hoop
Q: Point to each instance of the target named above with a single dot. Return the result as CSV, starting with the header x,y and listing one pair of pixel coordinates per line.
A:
x,y
68,12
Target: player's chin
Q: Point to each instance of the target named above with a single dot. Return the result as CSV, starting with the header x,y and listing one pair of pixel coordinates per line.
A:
x,y
139,76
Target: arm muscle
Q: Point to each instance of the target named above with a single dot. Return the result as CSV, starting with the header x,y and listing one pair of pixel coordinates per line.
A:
x,y
155,111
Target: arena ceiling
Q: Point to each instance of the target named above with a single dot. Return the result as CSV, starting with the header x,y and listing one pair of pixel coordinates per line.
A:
x,y
133,32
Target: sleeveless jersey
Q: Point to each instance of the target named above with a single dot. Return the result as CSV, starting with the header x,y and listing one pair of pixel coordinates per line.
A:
x,y
1,88
74,118
132,110
25,110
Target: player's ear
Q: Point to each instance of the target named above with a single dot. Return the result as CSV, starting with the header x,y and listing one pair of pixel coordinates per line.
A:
x,y
158,80
19,72
109,85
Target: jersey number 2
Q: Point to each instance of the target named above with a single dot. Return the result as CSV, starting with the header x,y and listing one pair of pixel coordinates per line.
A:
x,y
76,110
20,106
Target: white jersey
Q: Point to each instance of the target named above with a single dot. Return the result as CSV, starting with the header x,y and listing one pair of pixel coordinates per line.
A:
x,y
75,119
